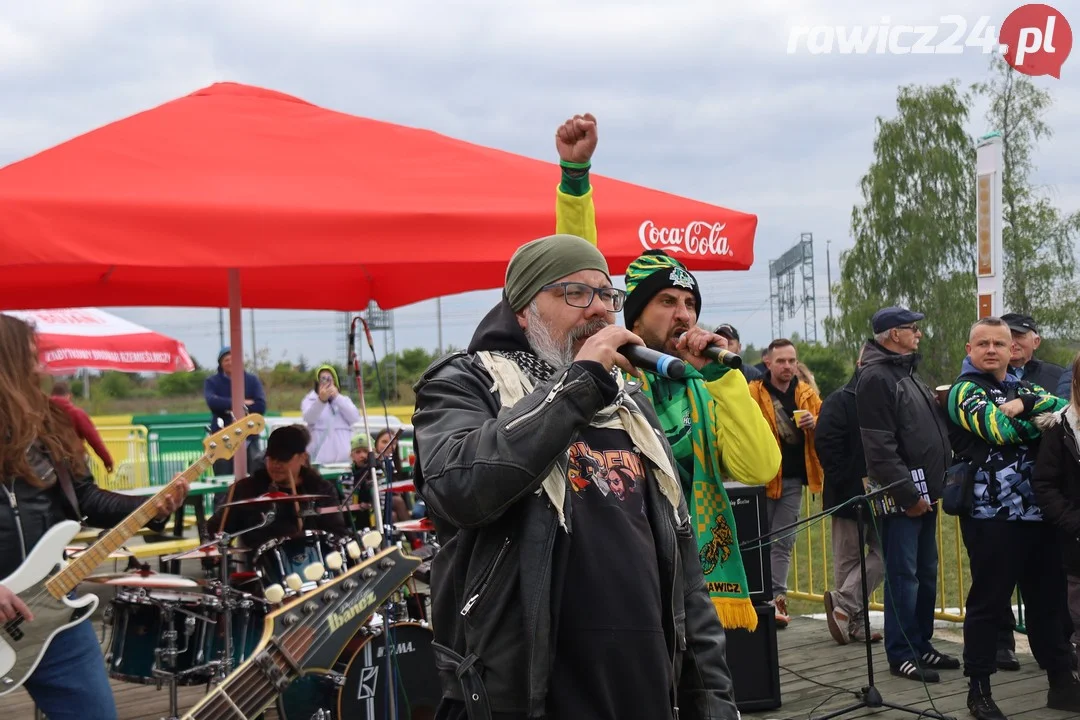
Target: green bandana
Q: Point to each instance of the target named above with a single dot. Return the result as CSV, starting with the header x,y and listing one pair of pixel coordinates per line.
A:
x,y
684,410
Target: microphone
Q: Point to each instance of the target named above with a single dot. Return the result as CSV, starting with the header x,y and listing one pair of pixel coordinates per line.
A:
x,y
367,334
351,360
667,365
721,355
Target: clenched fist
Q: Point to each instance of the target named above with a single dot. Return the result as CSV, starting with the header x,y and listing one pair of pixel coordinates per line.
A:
x,y
575,139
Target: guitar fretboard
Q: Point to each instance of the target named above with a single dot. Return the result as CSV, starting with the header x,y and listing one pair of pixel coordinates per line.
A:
x,y
65,581
244,694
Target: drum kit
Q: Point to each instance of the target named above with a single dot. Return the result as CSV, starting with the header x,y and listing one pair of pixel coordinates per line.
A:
x,y
172,630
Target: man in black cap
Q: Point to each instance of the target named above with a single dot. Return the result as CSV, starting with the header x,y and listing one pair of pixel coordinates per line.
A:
x,y
286,471
750,372
1023,363
906,441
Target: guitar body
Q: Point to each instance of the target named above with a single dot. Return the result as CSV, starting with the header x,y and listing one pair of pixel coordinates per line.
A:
x,y
23,644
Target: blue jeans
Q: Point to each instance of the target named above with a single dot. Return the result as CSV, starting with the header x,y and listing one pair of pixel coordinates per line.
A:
x,y
70,683
911,564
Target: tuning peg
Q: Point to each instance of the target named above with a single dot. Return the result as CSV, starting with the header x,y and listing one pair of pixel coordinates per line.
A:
x,y
334,561
353,549
294,582
371,540
314,572
274,594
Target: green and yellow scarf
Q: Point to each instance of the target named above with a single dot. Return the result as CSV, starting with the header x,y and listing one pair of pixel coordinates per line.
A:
x,y
684,408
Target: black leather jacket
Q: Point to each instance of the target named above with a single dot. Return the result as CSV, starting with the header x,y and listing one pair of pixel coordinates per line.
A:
x,y
38,509
480,470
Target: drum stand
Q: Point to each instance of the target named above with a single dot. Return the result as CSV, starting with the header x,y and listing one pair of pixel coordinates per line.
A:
x,y
165,657
223,666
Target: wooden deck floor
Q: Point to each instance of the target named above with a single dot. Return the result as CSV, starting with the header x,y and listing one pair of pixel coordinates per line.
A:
x,y
805,650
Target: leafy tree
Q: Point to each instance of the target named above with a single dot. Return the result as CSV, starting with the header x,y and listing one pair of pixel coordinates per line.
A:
x,y
914,229
116,385
181,383
831,366
1037,240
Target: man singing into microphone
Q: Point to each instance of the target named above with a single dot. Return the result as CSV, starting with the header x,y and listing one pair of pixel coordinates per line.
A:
x,y
555,495
709,418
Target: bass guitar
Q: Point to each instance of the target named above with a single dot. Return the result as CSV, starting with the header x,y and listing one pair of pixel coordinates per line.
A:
x,y
44,582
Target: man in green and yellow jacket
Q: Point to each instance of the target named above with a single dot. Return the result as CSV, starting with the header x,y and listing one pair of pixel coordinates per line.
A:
x,y
713,425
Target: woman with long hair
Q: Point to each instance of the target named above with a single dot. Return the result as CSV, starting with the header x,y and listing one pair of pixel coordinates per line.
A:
x,y
42,464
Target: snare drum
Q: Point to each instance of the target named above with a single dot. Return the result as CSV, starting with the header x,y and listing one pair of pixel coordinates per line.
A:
x,y
276,560
139,624
363,663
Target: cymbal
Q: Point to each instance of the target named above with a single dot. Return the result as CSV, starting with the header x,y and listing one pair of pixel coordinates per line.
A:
x,y
145,578
274,497
209,550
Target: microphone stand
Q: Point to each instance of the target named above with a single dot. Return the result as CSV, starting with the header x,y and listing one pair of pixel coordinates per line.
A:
x,y
355,361
868,697
225,664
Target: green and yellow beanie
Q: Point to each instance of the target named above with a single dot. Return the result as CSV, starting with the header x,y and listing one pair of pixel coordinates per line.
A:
x,y
649,274
333,373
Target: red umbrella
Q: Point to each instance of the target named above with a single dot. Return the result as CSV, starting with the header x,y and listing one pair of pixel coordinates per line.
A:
x,y
236,194
75,338
316,209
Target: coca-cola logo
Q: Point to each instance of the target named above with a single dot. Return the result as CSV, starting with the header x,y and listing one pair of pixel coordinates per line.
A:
x,y
696,238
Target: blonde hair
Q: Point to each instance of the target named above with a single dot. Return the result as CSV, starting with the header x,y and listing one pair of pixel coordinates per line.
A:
x,y
804,374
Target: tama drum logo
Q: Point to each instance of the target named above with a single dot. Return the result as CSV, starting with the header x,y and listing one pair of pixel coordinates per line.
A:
x,y
695,238
346,614
401,648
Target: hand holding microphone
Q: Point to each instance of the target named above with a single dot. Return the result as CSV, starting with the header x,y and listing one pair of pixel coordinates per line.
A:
x,y
698,345
617,346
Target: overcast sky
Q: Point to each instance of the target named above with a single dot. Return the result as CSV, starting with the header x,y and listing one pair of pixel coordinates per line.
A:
x,y
693,97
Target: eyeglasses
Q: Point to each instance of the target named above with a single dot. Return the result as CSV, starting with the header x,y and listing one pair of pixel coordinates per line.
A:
x,y
913,327
580,295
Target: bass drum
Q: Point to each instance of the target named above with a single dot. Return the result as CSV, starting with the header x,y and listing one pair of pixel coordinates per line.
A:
x,y
364,694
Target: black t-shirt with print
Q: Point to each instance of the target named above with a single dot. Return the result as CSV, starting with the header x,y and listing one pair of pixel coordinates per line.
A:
x,y
611,656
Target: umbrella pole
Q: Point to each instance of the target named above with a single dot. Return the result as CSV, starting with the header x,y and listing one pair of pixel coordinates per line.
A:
x,y
236,348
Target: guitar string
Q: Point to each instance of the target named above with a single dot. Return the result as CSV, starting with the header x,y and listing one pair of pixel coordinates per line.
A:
x,y
78,565
318,640
246,694
253,694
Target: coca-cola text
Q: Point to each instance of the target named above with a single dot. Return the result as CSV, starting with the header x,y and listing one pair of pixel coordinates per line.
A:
x,y
697,238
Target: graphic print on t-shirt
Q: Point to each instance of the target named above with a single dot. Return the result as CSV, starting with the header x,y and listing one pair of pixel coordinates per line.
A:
x,y
616,475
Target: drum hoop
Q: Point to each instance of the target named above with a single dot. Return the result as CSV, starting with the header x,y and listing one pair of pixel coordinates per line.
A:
x,y
369,638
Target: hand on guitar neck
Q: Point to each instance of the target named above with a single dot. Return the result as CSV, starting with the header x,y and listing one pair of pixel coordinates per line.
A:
x,y
174,499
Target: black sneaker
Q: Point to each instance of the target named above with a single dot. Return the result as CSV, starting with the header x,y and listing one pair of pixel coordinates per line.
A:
x,y
1064,695
1007,660
981,705
939,661
911,671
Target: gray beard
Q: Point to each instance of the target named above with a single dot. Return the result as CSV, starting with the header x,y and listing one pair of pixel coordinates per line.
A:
x,y
552,350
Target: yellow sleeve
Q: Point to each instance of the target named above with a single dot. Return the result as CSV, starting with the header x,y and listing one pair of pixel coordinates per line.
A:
x,y
575,215
745,443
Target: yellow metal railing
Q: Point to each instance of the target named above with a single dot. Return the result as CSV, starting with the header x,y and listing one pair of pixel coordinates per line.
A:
x,y
812,555
129,449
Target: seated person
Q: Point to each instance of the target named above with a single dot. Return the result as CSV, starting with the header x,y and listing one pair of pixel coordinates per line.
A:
x,y
361,471
286,471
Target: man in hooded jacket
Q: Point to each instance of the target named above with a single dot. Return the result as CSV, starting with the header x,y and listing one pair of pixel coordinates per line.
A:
x,y
566,540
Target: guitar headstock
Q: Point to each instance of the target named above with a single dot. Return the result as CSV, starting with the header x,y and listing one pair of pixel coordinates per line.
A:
x,y
223,444
315,627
